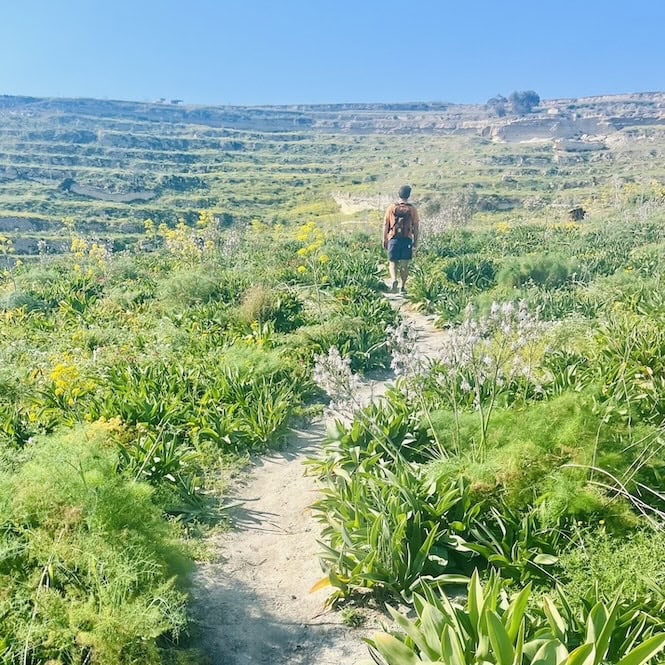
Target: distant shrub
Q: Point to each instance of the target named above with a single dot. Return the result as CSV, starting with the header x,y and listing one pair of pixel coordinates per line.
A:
x,y
473,271
261,304
129,295
191,287
548,270
498,104
188,287
523,101
20,299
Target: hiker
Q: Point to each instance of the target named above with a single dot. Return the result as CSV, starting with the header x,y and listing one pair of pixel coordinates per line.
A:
x,y
400,236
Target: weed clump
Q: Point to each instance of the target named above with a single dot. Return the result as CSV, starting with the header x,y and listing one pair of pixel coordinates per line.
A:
x,y
88,566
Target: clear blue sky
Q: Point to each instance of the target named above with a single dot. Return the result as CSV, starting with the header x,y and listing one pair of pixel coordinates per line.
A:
x,y
298,51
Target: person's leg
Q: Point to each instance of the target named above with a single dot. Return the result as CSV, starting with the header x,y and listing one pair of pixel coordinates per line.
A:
x,y
392,266
404,272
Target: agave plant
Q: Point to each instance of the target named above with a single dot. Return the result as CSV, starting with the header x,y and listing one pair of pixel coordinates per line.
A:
x,y
490,630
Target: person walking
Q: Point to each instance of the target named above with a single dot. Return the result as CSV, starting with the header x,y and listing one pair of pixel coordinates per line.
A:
x,y
400,236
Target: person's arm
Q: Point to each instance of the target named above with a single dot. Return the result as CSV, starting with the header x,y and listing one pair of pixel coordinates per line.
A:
x,y
416,227
386,227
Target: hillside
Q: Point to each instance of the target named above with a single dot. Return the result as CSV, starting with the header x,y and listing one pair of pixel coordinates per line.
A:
x,y
110,165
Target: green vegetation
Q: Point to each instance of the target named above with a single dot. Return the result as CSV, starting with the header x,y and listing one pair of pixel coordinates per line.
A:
x,y
126,382
529,447
508,489
89,568
488,629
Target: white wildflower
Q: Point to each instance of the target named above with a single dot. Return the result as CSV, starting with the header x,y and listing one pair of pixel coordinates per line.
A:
x,y
333,375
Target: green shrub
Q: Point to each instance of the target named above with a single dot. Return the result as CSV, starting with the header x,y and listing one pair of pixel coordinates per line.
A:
x,y
189,287
356,327
547,270
283,308
20,299
629,361
470,271
632,566
648,260
527,453
87,563
192,286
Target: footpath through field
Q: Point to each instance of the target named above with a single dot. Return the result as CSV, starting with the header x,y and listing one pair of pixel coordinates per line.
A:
x,y
252,600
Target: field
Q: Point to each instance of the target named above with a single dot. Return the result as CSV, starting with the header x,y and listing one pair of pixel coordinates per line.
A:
x,y
177,296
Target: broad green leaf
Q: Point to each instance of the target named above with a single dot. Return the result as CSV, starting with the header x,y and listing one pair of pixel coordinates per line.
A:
x,y
394,651
512,619
342,473
423,552
550,653
595,622
532,646
412,630
545,559
583,655
501,642
519,645
645,651
565,605
451,647
483,644
453,617
475,600
603,640
432,624
557,624
447,578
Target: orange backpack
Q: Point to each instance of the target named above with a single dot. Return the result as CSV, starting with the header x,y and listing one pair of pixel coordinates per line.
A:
x,y
401,228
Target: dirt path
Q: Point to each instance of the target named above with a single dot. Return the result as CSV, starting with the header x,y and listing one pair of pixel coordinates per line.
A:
x,y
253,601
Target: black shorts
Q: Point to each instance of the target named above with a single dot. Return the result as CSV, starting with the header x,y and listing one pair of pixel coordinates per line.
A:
x,y
400,249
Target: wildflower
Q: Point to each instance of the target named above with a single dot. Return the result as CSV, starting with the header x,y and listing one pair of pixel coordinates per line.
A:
x,y
406,361
301,269
324,258
333,375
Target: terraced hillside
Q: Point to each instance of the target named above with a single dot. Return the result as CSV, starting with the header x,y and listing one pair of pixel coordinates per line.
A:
x,y
108,166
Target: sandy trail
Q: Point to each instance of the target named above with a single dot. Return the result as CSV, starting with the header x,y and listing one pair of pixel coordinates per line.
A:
x,y
252,601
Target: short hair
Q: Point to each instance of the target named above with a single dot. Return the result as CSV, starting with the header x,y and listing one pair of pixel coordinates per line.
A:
x,y
404,191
